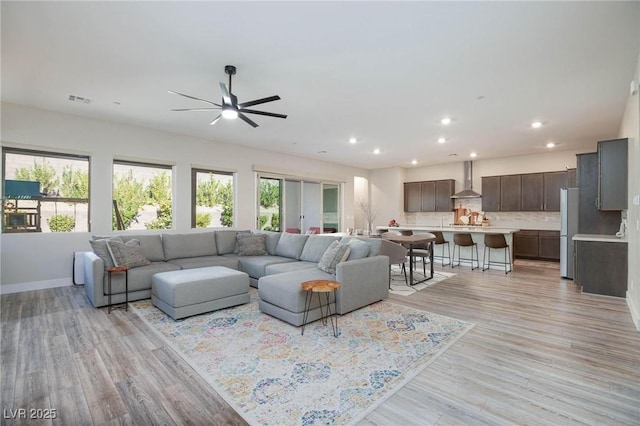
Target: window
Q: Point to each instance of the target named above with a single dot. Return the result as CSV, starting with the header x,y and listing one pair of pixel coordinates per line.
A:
x,y
141,196
44,191
269,203
211,199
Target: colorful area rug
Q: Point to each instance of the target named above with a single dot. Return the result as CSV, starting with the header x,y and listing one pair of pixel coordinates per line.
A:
x,y
271,375
399,287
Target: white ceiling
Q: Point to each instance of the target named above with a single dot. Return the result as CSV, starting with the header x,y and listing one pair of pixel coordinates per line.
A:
x,y
384,72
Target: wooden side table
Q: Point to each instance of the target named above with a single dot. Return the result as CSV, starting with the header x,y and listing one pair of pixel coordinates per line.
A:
x,y
117,269
320,286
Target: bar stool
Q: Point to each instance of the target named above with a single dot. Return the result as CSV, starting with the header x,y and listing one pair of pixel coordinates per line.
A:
x,y
464,240
440,241
496,241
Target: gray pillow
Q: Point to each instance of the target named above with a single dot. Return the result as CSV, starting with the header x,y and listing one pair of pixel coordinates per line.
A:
x,y
251,244
335,254
359,249
127,254
99,246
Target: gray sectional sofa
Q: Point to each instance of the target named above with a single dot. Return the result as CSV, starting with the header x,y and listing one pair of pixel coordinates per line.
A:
x,y
290,259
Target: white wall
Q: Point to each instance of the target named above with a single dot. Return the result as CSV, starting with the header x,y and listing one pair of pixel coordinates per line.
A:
x,y
630,128
36,257
387,194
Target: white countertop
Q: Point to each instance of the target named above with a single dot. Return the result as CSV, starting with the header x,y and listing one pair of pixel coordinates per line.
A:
x,y
599,238
470,229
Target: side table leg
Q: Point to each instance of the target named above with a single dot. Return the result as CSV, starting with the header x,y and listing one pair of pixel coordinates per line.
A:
x,y
307,306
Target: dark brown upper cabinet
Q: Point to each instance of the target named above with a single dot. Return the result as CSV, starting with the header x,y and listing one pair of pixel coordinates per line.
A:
x,y
612,174
444,190
533,192
412,197
491,193
511,193
429,196
553,181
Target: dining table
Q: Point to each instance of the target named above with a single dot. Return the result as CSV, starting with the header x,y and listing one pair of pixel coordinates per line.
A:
x,y
411,241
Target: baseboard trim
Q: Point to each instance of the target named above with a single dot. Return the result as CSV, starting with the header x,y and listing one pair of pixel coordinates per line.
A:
x,y
36,285
635,314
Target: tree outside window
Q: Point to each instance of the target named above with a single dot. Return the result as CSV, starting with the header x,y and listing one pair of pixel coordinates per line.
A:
x,y
212,199
142,194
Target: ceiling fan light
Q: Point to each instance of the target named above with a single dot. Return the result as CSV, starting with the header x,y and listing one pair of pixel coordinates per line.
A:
x,y
229,114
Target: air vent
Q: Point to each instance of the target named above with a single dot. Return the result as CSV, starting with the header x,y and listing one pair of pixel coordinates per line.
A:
x,y
79,99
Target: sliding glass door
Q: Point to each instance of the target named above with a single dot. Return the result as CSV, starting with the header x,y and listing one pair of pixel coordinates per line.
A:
x,y
298,206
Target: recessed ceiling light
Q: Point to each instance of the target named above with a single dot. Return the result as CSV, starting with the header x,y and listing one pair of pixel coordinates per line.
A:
x,y
550,145
473,154
353,140
445,120
376,151
441,140
414,162
453,155
536,124
322,152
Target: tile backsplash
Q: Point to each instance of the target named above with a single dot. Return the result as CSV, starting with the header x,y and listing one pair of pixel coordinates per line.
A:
x,y
520,220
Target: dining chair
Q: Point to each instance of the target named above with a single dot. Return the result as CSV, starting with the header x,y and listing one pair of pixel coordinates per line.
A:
x,y
397,254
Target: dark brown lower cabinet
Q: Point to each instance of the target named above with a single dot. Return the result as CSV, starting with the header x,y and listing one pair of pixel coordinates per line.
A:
x,y
601,267
525,244
549,245
535,244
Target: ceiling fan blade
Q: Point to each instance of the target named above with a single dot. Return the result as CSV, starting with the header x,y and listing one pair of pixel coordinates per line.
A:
x,y
259,101
216,120
192,97
268,114
247,119
225,94
195,109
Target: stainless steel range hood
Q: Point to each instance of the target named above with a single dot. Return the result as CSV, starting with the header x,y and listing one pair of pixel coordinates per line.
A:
x,y
468,191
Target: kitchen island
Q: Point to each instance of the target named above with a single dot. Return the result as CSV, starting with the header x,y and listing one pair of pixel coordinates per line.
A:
x,y
477,234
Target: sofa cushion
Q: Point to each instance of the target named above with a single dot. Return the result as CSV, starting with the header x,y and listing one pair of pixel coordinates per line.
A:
x,y
139,278
255,265
99,246
127,254
206,261
151,245
226,241
251,244
279,268
359,249
315,247
335,254
194,244
373,243
284,290
272,240
291,245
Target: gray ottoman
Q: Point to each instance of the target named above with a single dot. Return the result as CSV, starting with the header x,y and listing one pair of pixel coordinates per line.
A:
x,y
195,291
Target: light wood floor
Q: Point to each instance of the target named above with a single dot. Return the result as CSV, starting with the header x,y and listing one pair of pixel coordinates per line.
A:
x,y
541,353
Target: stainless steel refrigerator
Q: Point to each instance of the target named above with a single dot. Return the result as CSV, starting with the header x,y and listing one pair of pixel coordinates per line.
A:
x,y
568,227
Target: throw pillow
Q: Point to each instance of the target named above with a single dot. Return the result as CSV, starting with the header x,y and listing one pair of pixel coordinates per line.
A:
x,y
359,249
99,246
251,244
127,254
334,254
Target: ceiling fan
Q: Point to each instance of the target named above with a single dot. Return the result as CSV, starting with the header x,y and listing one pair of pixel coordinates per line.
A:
x,y
230,108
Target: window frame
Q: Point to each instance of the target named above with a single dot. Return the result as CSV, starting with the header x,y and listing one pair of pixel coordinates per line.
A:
x,y
150,165
47,199
194,190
